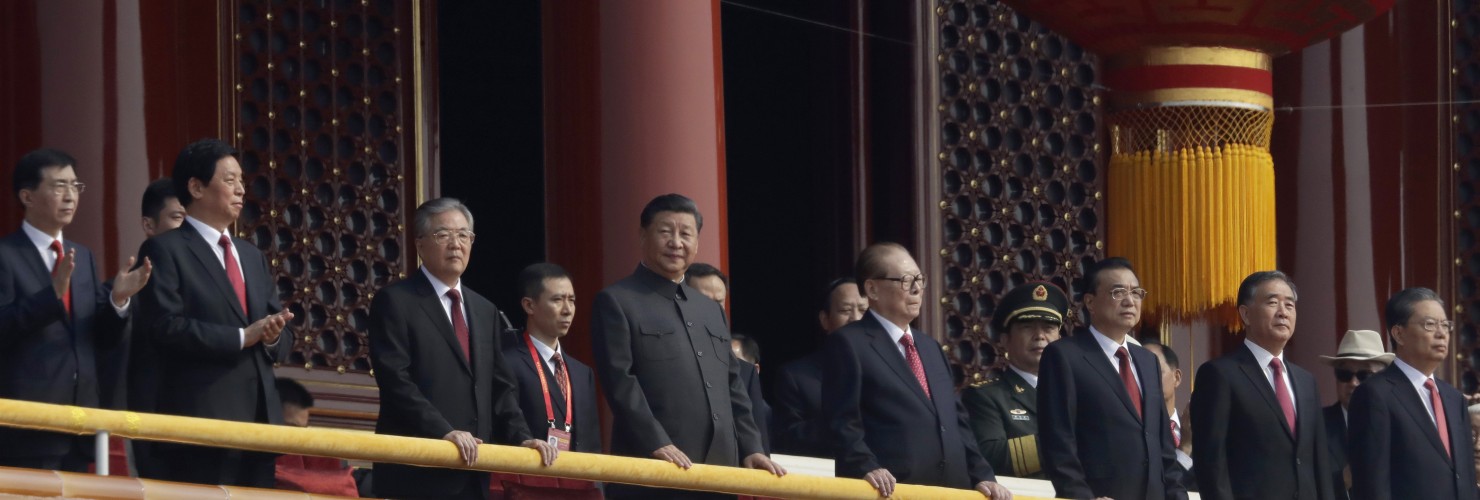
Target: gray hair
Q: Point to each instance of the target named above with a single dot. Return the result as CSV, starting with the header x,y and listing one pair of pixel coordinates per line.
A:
x,y
1400,306
1251,283
433,208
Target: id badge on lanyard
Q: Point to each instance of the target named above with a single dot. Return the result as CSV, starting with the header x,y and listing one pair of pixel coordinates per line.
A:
x,y
558,437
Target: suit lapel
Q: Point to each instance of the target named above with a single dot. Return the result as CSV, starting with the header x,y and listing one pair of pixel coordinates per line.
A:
x,y
1147,369
937,373
21,244
884,347
1250,366
557,399
481,341
1457,416
1409,400
431,305
212,266
81,285
1095,358
252,279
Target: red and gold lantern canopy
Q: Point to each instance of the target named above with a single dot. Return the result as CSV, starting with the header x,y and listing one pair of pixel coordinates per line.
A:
x,y
1191,181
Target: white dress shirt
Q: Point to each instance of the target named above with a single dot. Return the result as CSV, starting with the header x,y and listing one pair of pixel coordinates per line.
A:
x,y
441,289
547,353
895,333
49,258
1417,378
1110,348
1263,357
213,240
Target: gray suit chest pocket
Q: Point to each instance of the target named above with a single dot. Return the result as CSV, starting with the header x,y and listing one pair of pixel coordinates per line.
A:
x,y
657,342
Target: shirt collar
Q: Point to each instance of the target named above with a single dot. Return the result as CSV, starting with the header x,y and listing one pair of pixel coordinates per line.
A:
x,y
38,238
1030,378
1107,345
1414,376
1262,356
211,234
442,288
546,352
1175,418
895,332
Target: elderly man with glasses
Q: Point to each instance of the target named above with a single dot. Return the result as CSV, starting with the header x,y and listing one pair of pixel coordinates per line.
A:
x,y
1359,356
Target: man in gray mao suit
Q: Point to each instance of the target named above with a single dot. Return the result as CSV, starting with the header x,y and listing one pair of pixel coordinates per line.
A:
x,y
663,355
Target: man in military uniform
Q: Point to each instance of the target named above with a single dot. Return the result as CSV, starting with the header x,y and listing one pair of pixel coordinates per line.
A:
x,y
1003,410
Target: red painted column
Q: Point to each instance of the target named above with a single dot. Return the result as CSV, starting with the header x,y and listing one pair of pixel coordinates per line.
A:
x,y
633,109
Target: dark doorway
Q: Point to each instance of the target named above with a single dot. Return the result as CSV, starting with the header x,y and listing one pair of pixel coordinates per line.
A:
x,y
491,142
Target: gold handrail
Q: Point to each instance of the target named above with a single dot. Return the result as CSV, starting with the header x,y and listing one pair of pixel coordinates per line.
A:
x,y
438,453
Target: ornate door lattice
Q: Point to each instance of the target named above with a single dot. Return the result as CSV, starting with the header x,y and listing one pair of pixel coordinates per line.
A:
x,y
1020,165
322,101
1465,82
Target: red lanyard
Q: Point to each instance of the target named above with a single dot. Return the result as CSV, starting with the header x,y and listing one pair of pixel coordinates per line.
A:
x,y
539,369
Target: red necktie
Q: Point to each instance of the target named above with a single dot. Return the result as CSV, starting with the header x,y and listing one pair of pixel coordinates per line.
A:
x,y
233,273
56,246
1176,436
1440,420
459,325
1128,378
1287,405
912,357
560,377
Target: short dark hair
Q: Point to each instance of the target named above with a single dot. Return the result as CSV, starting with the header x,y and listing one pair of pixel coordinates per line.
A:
x,y
198,161
1166,352
293,393
831,287
700,270
532,278
1400,305
155,196
1092,277
748,347
870,263
27,173
671,202
1252,282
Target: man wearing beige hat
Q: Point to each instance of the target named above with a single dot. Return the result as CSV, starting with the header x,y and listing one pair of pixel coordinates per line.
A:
x,y
1359,355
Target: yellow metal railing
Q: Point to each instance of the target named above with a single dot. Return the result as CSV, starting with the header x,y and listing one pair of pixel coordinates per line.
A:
x,y
437,453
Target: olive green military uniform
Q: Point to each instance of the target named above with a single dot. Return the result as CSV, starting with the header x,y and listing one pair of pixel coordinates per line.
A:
x,y
1004,417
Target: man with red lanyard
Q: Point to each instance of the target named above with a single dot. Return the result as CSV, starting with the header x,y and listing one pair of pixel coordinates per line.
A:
x,y
556,392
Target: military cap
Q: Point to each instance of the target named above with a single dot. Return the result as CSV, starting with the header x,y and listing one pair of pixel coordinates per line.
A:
x,y
1036,300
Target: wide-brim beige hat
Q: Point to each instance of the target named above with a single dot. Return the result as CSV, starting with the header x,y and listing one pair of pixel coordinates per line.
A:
x,y
1360,345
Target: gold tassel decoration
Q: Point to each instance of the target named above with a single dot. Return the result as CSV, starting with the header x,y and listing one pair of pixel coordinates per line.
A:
x,y
1192,205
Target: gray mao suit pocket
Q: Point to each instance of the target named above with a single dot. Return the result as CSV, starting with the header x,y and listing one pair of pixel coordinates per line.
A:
x,y
656,343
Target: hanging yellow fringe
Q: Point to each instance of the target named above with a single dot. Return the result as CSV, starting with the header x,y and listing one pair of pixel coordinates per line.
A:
x,y
1191,203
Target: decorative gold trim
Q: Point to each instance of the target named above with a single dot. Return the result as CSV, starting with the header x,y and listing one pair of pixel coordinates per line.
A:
x,y
1202,95
1176,56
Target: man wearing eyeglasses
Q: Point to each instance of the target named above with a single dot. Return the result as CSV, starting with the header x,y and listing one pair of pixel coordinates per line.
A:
x,y
435,347
54,313
1103,429
1257,417
1359,356
1410,436
888,397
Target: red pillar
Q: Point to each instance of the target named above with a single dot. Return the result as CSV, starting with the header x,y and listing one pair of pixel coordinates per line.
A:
x,y
633,109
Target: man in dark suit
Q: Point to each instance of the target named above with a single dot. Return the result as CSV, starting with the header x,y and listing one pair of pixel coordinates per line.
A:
x,y
1004,409
1259,428
213,311
713,283
663,355
1103,431
1171,379
1410,436
54,313
798,428
435,349
558,392
888,398
133,364
1359,356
